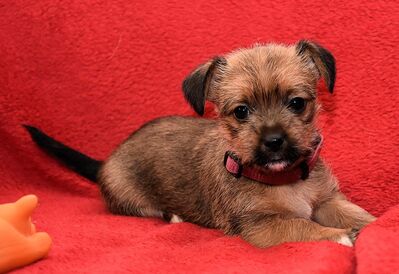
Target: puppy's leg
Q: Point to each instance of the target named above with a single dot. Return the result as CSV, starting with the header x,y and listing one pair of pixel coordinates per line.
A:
x,y
274,230
128,201
340,213
122,192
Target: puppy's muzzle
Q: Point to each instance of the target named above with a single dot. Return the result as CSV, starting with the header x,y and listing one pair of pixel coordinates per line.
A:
x,y
274,139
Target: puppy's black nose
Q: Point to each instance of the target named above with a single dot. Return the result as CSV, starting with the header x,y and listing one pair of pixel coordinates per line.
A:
x,y
274,141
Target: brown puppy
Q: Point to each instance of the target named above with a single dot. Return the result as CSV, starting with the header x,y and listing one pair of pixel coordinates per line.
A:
x,y
266,101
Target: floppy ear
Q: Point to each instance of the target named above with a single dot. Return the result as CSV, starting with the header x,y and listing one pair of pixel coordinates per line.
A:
x,y
196,85
322,58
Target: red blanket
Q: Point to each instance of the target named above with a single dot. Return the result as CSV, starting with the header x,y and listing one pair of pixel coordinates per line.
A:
x,y
91,72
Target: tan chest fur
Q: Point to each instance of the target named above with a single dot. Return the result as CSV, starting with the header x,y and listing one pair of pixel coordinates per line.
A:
x,y
298,200
302,198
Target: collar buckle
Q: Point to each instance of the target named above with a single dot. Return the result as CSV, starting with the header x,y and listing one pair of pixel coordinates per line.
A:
x,y
236,171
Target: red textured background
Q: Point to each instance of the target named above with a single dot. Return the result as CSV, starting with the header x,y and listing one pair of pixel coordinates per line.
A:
x,y
91,72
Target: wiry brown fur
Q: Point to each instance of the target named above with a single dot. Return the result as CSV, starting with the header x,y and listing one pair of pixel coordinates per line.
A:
x,y
174,165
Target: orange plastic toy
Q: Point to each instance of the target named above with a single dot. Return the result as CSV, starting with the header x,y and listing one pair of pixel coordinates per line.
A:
x,y
20,244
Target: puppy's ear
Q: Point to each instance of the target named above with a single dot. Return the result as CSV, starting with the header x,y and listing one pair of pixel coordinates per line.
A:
x,y
196,85
322,58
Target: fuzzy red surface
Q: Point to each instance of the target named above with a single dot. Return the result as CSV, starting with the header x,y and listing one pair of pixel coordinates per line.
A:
x,y
91,72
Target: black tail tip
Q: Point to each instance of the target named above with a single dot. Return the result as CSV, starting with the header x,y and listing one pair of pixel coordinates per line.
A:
x,y
31,129
38,136
34,132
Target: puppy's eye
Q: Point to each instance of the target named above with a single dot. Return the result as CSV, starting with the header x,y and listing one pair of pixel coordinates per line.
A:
x,y
241,112
297,105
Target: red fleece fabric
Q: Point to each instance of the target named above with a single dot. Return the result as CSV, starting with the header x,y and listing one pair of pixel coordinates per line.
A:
x,y
91,72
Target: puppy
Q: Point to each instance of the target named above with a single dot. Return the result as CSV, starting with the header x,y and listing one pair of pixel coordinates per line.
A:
x,y
254,171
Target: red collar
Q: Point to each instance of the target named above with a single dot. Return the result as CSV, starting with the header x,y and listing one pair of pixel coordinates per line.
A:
x,y
256,173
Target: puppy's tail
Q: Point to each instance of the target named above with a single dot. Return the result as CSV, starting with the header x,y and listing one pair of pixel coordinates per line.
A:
x,y
80,163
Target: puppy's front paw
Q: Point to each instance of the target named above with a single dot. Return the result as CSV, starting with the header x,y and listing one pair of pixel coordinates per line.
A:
x,y
349,238
345,240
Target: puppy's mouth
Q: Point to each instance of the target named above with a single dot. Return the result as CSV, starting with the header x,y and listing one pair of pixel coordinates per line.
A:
x,y
278,163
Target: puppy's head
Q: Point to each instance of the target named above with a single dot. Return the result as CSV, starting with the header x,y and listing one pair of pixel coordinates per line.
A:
x,y
266,99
